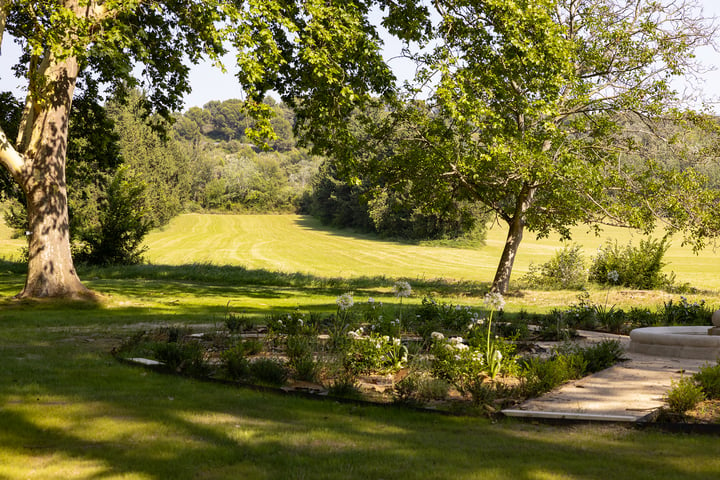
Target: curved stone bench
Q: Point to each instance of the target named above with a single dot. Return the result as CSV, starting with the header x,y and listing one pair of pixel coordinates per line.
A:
x,y
678,342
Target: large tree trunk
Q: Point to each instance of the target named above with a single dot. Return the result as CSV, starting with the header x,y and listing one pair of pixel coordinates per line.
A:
x,y
43,139
514,237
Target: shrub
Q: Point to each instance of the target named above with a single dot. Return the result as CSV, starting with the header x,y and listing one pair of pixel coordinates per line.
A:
x,y
683,395
555,325
269,371
420,388
641,317
181,356
433,316
685,313
542,375
634,267
374,354
300,350
235,362
612,319
602,355
237,323
566,269
708,377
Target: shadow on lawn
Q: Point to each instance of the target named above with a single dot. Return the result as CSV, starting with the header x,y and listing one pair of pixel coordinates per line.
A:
x,y
180,430
68,410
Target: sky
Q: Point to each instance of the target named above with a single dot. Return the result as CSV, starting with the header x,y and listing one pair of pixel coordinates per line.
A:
x,y
209,83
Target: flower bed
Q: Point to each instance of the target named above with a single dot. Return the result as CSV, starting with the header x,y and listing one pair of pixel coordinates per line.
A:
x,y
436,355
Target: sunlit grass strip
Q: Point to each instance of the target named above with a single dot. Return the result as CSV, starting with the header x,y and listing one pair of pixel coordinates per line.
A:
x,y
296,244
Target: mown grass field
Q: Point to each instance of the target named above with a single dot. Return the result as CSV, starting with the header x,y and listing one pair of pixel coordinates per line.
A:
x,y
291,243
68,410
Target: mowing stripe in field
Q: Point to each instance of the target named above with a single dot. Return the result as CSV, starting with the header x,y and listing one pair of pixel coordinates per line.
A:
x,y
292,243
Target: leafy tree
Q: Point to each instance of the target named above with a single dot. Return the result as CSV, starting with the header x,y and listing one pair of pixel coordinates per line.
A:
x,y
322,55
158,159
526,113
123,222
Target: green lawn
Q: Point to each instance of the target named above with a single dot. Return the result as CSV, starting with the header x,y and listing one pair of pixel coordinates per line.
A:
x,y
68,410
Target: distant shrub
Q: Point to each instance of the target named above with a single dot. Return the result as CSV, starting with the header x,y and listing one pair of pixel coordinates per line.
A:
x,y
566,269
634,267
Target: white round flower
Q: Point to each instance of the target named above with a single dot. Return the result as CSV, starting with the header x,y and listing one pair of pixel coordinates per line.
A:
x,y
437,336
461,347
402,289
345,301
456,340
494,301
613,276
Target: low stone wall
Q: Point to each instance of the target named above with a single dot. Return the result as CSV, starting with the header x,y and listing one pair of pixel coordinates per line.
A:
x,y
677,342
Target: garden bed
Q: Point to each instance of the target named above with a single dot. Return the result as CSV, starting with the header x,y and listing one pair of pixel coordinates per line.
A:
x,y
438,356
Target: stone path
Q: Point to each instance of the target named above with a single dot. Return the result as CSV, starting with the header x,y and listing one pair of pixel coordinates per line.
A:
x,y
631,391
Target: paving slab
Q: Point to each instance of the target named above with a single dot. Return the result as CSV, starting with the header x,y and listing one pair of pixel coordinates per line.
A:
x,y
631,391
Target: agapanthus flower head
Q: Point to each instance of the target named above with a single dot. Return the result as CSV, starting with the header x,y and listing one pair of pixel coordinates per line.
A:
x,y
613,276
345,301
402,289
494,301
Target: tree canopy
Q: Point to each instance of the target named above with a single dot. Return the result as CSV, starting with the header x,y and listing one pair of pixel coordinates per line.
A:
x,y
528,112
323,56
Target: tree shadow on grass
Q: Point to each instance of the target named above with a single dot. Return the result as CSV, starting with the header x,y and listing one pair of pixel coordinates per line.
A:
x,y
68,410
146,425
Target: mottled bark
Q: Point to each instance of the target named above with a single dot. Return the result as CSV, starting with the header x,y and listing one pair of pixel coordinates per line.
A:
x,y
43,140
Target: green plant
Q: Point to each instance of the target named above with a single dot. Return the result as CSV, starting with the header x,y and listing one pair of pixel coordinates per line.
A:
x,y
540,375
182,356
300,350
708,377
419,388
599,356
612,319
556,325
269,370
635,267
683,395
641,317
235,362
237,323
293,323
374,353
685,313
432,316
566,269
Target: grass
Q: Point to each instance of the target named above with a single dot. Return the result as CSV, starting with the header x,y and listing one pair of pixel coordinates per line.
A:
x,y
291,243
68,410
